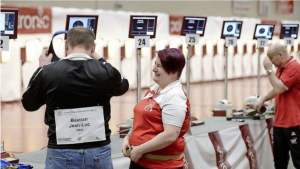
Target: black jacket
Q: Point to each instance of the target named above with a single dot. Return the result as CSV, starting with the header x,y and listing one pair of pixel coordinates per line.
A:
x,y
67,84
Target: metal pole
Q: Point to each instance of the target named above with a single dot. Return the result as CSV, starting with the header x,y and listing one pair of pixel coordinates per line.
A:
x,y
188,57
226,71
258,71
138,70
188,71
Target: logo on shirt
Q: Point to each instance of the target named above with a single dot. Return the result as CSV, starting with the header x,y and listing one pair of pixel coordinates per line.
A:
x,y
148,95
149,107
293,133
294,140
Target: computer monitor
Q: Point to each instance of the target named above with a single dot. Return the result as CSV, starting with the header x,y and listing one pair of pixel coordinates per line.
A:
x,y
142,26
264,31
289,31
9,23
231,29
88,21
193,25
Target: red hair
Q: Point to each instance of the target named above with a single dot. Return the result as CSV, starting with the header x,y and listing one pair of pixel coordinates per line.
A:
x,y
172,60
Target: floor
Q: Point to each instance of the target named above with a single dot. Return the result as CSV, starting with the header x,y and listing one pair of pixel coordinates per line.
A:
x,y
23,131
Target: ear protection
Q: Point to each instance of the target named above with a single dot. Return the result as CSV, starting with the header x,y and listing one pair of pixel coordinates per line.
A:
x,y
51,49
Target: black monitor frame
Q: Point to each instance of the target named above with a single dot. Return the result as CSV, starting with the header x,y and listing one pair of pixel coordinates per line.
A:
x,y
193,17
15,33
281,31
130,35
82,16
254,37
222,32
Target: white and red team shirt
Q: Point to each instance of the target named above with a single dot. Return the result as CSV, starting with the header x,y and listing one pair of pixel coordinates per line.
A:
x,y
170,106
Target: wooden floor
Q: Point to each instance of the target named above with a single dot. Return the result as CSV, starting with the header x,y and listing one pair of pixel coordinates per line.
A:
x,y
24,131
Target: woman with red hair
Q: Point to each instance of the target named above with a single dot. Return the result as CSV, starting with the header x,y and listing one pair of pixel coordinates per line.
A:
x,y
161,118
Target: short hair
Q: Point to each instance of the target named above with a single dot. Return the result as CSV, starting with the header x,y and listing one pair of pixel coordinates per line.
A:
x,y
81,36
172,60
276,48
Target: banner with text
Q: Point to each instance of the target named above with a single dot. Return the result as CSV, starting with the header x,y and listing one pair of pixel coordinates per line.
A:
x,y
243,146
33,19
175,24
241,7
286,7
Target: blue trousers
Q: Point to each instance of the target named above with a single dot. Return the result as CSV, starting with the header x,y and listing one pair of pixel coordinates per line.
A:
x,y
87,158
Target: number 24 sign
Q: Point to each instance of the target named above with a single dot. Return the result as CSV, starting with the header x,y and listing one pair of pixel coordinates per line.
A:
x,y
142,41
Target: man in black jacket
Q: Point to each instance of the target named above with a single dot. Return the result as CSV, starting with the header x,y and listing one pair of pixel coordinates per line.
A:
x,y
77,91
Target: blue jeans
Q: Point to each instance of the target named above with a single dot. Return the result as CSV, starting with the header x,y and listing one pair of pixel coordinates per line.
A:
x,y
87,158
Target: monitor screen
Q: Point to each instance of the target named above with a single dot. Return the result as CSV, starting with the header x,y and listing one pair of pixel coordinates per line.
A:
x,y
231,29
142,26
88,21
264,31
193,25
289,31
9,23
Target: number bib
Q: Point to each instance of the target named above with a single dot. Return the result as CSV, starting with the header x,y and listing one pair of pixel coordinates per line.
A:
x,y
79,125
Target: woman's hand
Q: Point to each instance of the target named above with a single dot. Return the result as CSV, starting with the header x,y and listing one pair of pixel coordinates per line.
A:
x,y
125,145
136,153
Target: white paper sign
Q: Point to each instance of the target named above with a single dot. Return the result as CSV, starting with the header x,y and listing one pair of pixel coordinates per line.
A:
x,y
262,42
192,39
142,41
4,43
288,41
230,41
79,125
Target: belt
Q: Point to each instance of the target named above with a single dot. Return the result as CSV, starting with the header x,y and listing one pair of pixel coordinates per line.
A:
x,y
162,157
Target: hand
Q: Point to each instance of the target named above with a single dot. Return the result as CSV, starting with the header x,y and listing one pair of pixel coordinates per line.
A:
x,y
136,153
267,63
96,56
45,58
125,145
257,106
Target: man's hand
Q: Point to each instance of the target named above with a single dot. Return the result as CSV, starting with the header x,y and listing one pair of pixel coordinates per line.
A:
x,y
44,58
257,106
267,63
96,56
